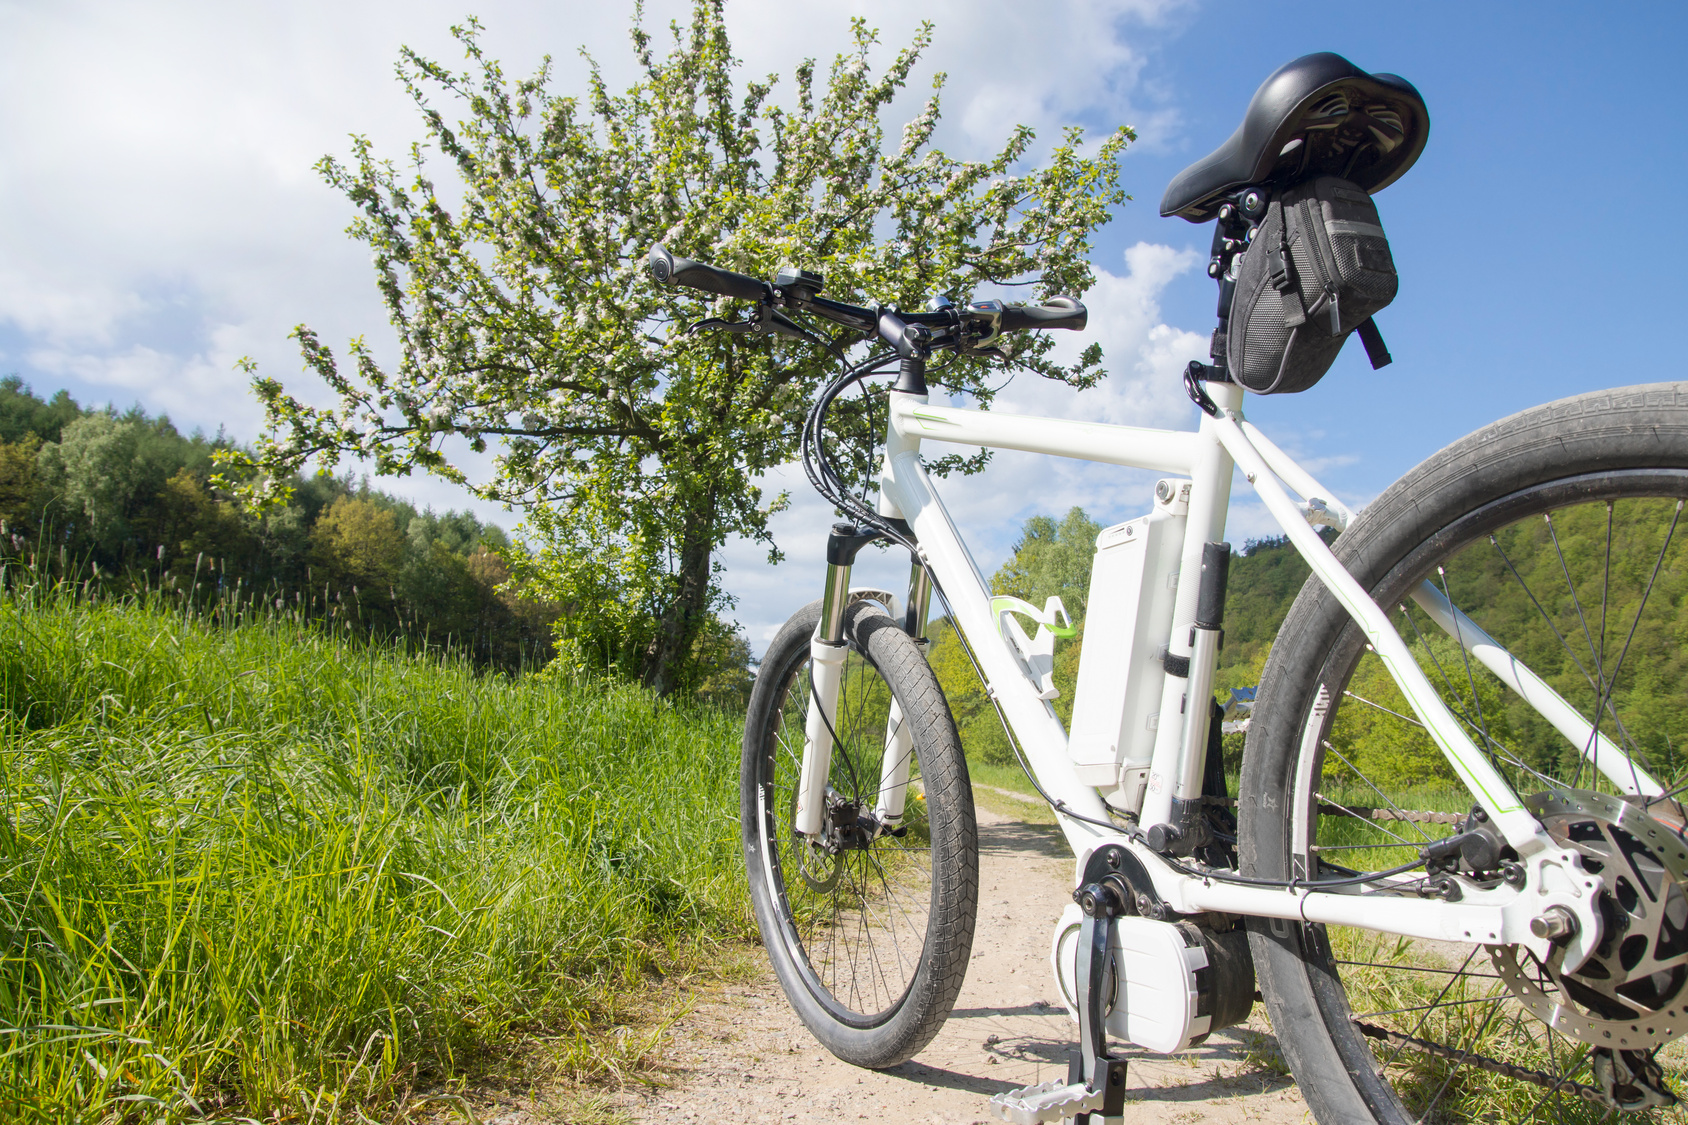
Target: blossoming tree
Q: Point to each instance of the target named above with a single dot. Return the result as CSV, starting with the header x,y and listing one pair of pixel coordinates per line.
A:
x,y
525,320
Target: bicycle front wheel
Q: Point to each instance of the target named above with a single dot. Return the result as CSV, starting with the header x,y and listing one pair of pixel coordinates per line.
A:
x,y
869,932
1559,533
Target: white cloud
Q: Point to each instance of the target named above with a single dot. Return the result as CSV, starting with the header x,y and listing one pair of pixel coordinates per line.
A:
x,y
159,155
176,384
1143,356
159,215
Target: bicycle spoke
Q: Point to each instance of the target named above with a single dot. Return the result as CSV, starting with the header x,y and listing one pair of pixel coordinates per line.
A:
x,y
1321,848
1366,820
1623,653
1453,1071
1506,754
1605,592
1416,968
1465,658
1456,709
1457,976
1493,746
896,946
1381,707
895,899
1544,614
1571,588
1630,746
866,934
1386,799
863,934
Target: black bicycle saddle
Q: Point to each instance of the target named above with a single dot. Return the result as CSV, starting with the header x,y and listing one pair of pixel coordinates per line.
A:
x,y
1318,116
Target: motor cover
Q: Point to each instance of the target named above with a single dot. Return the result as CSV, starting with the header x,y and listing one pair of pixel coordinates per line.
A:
x,y
1172,983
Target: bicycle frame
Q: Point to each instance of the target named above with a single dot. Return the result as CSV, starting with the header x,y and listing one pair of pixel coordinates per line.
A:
x,y
1222,443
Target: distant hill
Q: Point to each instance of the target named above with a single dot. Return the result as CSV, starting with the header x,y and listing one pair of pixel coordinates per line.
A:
x,y
1267,574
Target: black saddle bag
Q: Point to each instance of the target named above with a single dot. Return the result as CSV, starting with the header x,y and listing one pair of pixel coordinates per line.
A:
x,y
1318,268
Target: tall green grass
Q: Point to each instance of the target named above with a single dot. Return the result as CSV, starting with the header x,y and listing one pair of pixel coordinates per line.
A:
x,y
261,872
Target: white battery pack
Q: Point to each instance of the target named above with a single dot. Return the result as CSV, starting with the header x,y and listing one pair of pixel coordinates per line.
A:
x,y
1133,587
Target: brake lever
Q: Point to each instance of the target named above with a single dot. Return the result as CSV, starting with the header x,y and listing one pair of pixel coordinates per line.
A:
x,y
778,324
771,322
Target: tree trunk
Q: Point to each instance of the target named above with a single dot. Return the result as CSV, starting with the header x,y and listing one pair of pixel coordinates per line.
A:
x,y
677,628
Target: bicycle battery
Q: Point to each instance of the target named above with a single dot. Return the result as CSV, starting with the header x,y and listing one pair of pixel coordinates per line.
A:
x,y
1116,702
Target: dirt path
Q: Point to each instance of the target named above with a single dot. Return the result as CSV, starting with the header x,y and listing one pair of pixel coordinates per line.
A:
x,y
741,1055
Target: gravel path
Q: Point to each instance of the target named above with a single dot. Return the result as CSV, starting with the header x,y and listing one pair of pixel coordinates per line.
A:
x,y
741,1055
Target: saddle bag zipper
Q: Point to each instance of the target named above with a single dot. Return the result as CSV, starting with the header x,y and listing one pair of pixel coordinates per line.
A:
x,y
1318,243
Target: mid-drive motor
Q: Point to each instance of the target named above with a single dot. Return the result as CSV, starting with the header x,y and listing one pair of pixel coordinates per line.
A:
x,y
1172,983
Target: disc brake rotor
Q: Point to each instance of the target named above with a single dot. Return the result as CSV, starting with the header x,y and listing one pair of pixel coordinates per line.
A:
x,y
817,865
1632,992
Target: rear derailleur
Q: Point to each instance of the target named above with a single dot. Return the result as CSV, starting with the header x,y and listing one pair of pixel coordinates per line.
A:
x,y
1631,1080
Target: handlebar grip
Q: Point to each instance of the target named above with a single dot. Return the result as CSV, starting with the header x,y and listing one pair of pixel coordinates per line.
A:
x,y
1060,312
669,268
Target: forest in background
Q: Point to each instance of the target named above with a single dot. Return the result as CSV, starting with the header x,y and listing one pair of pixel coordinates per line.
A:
x,y
1487,580
127,501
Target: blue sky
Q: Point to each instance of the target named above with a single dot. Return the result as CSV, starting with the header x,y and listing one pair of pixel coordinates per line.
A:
x,y
1530,236
159,216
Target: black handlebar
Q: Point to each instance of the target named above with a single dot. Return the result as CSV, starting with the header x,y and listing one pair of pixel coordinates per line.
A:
x,y
1060,312
668,268
984,320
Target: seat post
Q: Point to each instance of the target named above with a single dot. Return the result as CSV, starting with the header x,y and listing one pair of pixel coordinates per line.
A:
x,y
1231,227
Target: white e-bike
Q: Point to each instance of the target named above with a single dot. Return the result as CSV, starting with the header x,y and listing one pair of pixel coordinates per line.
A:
x,y
1486,637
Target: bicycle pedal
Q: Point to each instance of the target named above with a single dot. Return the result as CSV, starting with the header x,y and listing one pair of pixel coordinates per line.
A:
x,y
1046,1102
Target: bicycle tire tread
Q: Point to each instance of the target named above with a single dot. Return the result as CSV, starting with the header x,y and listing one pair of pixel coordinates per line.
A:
x,y
938,979
1627,428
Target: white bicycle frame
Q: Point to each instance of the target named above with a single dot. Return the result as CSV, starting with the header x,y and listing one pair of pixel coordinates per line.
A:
x,y
1208,456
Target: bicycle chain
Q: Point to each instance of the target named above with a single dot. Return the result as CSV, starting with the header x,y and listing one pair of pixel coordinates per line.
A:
x,y
1483,1062
1415,816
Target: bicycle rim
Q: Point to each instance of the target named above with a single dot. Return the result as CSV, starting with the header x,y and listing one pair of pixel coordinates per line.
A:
x,y
855,920
1581,578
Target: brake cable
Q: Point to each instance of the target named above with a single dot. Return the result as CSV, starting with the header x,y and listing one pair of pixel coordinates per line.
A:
x,y
826,480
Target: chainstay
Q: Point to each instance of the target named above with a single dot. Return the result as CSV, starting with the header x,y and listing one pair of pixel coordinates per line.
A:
x,y
1483,1062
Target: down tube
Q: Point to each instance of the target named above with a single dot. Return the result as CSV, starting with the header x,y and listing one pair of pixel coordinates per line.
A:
x,y
1035,725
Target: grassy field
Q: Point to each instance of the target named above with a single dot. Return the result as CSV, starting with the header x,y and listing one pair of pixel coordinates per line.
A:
x,y
257,871
250,870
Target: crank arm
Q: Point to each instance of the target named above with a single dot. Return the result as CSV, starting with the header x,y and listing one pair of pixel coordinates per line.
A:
x,y
1095,1088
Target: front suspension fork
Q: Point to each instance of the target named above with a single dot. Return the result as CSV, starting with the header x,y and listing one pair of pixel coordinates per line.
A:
x,y
828,651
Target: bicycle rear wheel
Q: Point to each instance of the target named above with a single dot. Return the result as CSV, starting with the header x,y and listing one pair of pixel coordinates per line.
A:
x,y
869,937
1558,531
